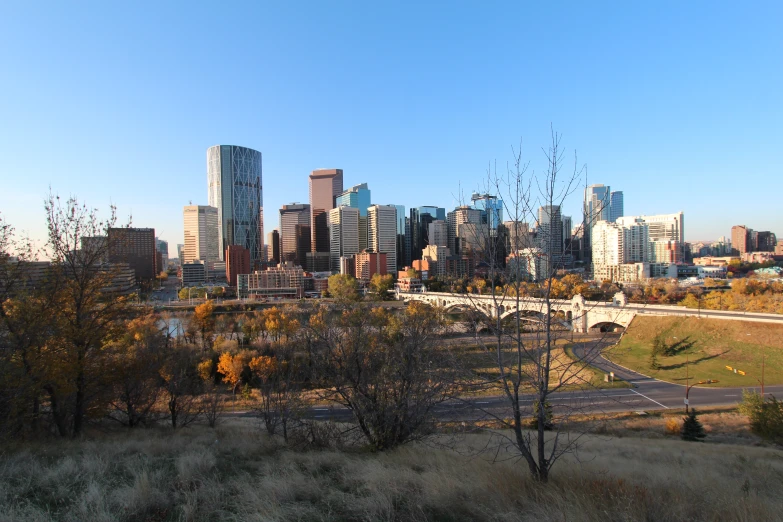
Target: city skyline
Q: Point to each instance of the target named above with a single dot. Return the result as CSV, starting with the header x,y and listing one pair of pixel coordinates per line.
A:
x,y
641,113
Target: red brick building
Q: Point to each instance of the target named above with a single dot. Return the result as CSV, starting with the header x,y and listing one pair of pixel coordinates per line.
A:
x,y
237,262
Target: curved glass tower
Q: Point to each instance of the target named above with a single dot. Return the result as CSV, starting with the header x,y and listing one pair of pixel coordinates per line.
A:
x,y
234,181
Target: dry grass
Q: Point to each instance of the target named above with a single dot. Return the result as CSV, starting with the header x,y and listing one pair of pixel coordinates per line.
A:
x,y
235,473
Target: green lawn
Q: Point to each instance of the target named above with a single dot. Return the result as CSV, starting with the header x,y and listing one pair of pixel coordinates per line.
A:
x,y
708,346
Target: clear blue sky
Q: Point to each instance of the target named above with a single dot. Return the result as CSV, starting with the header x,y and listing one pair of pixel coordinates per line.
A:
x,y
678,104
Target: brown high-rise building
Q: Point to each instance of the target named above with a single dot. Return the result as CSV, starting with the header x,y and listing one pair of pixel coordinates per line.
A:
x,y
136,247
325,186
741,239
294,224
237,262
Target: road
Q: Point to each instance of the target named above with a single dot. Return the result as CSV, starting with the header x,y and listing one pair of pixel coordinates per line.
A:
x,y
646,394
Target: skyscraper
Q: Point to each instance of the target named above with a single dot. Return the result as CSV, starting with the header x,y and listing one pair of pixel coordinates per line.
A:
x,y
421,217
234,182
294,219
135,246
401,237
357,196
343,234
615,205
457,217
201,234
567,225
438,234
382,233
325,186
491,210
273,242
596,208
549,232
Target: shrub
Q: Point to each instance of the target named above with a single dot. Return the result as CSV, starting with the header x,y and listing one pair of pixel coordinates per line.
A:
x,y
673,426
765,416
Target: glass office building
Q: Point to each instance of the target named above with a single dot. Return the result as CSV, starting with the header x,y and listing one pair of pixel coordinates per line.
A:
x,y
234,184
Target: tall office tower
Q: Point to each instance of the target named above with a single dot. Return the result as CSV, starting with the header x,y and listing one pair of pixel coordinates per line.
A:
x,y
740,239
382,233
420,219
358,197
457,217
491,210
408,242
234,181
549,232
401,237
343,234
201,234
136,247
325,186
163,249
273,240
567,224
293,218
518,236
438,234
615,205
303,237
597,206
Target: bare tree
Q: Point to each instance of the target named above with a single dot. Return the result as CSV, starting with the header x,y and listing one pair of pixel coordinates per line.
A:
x,y
527,347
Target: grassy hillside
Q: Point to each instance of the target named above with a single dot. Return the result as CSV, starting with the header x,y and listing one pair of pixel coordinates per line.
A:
x,y
709,345
235,473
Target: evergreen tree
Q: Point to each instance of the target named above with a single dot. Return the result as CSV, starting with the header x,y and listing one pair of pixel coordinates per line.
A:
x,y
549,423
692,429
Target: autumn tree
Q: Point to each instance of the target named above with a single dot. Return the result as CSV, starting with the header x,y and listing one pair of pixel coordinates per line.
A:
x,y
279,376
344,288
386,369
204,319
136,358
86,314
381,285
25,328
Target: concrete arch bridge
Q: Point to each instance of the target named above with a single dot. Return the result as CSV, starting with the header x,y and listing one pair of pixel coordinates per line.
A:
x,y
582,316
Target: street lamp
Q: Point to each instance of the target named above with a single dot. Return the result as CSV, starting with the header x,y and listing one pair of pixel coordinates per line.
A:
x,y
688,386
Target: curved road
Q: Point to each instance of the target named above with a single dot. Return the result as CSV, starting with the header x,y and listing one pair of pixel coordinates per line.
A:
x,y
645,394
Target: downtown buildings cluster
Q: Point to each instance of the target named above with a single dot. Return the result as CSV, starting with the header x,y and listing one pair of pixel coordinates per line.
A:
x,y
342,230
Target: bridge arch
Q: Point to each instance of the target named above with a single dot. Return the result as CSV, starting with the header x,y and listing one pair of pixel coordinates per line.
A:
x,y
607,326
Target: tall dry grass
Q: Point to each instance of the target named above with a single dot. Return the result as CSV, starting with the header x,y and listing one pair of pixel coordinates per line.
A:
x,y
236,473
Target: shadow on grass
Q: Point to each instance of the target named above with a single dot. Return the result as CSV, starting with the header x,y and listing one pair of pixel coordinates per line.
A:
x,y
693,362
680,346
